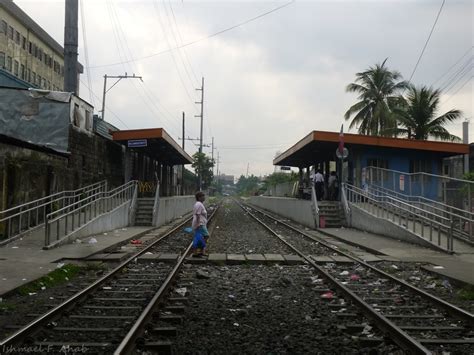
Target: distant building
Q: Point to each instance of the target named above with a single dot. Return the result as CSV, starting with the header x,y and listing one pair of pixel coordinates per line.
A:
x,y
28,53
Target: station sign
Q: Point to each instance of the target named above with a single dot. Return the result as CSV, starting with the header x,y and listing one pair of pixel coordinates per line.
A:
x,y
285,168
137,143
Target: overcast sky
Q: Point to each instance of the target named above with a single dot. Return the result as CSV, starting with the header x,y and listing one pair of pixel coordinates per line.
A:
x,y
268,82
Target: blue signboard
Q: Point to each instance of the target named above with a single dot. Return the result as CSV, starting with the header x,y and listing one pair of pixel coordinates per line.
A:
x,y
136,143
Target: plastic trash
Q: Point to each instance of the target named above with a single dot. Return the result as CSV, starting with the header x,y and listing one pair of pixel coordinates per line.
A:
x,y
106,288
231,296
148,253
344,273
395,267
188,230
15,247
31,293
136,241
355,277
438,267
181,291
328,295
236,324
59,265
92,240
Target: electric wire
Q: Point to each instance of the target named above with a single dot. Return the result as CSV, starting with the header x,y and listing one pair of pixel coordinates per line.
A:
x,y
86,52
427,41
457,76
202,38
452,66
157,11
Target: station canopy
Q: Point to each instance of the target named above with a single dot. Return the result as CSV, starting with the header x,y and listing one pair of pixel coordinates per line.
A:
x,y
155,143
321,146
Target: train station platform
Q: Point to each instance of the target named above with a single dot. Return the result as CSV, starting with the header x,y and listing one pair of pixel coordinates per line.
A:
x,y
458,266
23,261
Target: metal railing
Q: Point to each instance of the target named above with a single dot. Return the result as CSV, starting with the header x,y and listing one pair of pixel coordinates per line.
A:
x,y
28,216
314,204
156,203
463,220
66,220
428,225
450,191
345,203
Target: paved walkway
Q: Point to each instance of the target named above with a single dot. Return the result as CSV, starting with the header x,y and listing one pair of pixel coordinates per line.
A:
x,y
459,266
24,260
434,235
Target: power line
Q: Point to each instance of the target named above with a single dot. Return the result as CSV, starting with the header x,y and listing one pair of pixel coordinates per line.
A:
x,y
452,66
427,40
461,73
181,42
86,51
109,110
172,54
200,39
463,85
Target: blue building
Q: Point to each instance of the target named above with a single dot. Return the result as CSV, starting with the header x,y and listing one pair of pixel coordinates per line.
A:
x,y
401,165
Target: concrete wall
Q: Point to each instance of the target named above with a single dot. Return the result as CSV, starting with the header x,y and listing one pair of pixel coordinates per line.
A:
x,y
297,210
173,207
117,218
365,221
281,190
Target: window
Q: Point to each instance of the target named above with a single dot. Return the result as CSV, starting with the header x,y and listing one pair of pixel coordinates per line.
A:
x,y
38,80
77,121
379,174
23,42
22,72
10,32
30,47
40,55
35,50
15,67
3,27
28,75
2,60
17,37
420,166
9,63
49,85
33,78
88,120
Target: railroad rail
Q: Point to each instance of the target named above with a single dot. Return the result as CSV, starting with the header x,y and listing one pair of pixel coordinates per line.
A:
x,y
401,312
114,309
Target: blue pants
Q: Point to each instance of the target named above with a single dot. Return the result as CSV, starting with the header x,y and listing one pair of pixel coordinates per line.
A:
x,y
200,236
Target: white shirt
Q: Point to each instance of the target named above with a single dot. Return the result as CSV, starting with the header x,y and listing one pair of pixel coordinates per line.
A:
x,y
199,215
318,177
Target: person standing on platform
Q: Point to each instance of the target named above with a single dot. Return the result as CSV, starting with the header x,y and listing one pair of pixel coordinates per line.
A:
x,y
333,186
199,225
319,185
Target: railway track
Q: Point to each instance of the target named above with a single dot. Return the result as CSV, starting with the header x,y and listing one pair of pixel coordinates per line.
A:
x,y
415,320
109,315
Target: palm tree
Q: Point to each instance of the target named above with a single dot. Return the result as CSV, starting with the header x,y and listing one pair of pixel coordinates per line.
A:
x,y
417,116
378,90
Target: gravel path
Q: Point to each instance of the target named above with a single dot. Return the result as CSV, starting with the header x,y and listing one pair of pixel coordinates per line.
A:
x,y
264,310
237,232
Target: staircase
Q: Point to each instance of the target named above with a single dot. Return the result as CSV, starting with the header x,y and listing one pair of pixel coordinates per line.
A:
x,y
332,212
144,214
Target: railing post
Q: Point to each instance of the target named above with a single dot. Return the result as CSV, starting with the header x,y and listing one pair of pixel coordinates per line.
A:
x,y
450,236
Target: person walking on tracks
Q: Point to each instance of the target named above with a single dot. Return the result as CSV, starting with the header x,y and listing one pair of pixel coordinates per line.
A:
x,y
318,180
199,225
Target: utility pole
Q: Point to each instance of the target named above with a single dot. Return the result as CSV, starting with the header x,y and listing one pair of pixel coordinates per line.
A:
x,y
212,156
182,166
70,46
183,130
119,77
200,136
217,170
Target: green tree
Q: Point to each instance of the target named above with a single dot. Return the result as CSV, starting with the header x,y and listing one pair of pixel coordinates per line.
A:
x,y
378,89
278,178
203,166
417,113
248,185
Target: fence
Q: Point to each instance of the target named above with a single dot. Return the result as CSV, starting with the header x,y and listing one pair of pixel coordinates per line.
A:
x,y
454,192
71,217
421,222
28,216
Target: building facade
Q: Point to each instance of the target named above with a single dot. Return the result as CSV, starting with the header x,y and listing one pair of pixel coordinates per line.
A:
x,y
28,52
